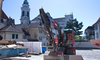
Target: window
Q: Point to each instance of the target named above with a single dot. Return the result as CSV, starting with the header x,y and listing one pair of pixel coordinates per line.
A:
x,y
44,33
23,13
40,31
97,35
62,24
27,13
2,21
40,38
96,26
14,36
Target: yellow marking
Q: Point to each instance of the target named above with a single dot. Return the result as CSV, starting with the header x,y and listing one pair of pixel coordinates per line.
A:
x,y
49,28
43,46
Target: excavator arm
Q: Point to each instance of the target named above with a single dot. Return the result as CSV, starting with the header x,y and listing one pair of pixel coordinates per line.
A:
x,y
47,20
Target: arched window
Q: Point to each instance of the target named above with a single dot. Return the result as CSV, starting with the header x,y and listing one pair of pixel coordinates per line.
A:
x,y
22,13
27,13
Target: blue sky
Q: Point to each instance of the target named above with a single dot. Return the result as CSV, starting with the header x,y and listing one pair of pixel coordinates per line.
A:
x,y
86,11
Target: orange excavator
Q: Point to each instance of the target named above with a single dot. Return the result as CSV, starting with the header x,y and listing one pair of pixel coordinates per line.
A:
x,y
62,47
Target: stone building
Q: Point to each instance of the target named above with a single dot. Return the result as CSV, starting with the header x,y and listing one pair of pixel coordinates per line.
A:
x,y
7,27
31,31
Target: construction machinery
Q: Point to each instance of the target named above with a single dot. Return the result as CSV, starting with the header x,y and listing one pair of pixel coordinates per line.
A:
x,y
62,47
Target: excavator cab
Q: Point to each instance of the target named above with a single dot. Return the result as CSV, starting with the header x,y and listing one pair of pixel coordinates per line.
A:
x,y
68,37
69,42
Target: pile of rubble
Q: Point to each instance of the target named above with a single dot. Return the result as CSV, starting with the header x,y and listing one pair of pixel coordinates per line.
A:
x,y
10,44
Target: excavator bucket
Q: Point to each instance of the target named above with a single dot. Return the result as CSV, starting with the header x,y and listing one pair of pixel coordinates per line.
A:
x,y
75,57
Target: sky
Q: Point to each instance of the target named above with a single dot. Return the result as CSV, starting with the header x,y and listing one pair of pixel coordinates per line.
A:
x,y
86,11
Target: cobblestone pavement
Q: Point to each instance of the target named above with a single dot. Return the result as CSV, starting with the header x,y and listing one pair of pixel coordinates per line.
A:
x,y
89,54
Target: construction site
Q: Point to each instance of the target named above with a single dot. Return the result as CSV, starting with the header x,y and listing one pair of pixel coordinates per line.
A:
x,y
60,46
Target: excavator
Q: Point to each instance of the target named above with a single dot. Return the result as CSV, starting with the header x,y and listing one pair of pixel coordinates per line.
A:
x,y
62,47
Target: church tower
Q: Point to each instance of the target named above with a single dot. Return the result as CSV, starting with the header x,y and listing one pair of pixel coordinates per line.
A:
x,y
25,15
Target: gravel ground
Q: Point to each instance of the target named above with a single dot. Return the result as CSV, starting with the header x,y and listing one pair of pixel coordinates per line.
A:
x,y
87,54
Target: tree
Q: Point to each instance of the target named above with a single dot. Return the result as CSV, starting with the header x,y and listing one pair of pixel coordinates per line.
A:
x,y
73,24
78,38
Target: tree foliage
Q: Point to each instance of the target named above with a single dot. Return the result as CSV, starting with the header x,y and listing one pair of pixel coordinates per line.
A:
x,y
78,38
75,25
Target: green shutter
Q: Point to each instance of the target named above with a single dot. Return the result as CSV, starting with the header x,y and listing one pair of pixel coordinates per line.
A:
x,y
13,36
16,36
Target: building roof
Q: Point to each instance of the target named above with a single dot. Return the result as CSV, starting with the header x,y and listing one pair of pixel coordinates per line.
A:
x,y
10,29
98,21
33,25
21,25
90,27
4,16
36,19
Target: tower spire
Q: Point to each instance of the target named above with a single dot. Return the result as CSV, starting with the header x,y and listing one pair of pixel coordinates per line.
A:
x,y
25,2
25,14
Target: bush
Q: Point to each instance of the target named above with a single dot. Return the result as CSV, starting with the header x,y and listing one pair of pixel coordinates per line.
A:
x,y
78,38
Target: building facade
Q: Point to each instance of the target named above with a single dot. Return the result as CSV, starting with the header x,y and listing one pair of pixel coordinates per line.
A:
x,y
11,33
97,29
62,22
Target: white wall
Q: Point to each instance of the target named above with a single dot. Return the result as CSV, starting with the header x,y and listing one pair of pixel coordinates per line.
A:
x,y
97,31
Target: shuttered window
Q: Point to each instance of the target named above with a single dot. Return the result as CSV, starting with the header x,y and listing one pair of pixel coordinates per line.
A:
x,y
14,36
